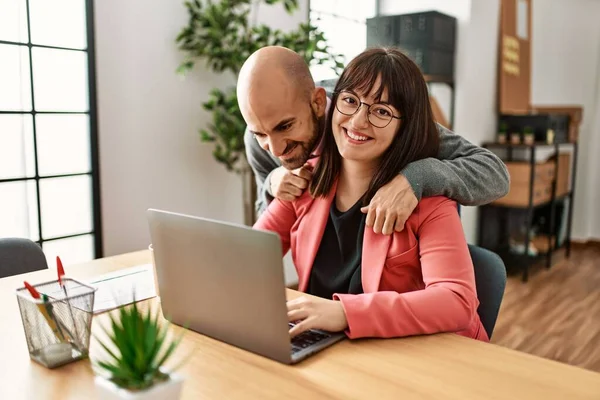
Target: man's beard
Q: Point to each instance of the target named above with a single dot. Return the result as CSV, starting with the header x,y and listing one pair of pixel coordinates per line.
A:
x,y
307,148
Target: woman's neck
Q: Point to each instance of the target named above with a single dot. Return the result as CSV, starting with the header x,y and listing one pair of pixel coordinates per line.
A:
x,y
355,177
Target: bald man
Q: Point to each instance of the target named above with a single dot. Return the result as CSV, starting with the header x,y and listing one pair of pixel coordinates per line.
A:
x,y
285,114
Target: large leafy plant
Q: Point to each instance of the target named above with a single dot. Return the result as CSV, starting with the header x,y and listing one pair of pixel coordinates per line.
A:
x,y
137,349
221,34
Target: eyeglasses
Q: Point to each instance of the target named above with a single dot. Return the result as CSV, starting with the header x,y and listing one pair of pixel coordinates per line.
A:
x,y
378,114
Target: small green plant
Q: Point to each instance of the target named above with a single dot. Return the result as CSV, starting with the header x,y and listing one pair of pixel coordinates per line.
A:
x,y
503,128
141,348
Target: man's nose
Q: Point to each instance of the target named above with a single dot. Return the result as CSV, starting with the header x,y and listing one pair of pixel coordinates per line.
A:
x,y
277,147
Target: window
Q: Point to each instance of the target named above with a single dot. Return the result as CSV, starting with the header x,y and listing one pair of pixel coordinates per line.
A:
x,y
344,24
49,184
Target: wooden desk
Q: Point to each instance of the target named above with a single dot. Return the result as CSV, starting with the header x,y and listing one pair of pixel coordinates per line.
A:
x,y
444,366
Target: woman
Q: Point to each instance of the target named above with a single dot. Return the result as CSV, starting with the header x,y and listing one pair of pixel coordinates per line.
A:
x,y
417,281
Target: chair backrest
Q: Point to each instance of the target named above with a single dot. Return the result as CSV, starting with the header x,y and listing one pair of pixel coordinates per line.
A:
x,y
19,256
490,278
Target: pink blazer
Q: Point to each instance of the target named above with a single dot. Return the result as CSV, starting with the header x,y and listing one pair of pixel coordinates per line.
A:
x,y
418,281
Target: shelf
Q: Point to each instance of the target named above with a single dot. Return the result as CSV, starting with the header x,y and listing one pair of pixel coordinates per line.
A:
x,y
515,262
525,207
438,79
524,146
506,252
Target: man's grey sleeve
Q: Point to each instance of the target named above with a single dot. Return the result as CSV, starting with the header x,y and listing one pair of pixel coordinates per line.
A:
x,y
464,172
262,165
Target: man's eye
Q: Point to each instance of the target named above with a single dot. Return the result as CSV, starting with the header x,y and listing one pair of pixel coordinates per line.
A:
x,y
259,136
283,128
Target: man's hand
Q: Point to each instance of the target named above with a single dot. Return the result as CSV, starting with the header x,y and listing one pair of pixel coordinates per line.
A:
x,y
289,185
316,313
391,206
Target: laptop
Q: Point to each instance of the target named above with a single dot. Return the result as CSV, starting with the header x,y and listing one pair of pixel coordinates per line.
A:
x,y
226,281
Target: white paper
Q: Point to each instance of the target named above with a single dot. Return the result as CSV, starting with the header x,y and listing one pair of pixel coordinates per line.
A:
x,y
116,289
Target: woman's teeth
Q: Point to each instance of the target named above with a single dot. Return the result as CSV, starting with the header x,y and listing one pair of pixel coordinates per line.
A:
x,y
356,137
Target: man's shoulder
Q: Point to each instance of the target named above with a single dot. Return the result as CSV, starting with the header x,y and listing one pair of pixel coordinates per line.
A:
x,y
443,131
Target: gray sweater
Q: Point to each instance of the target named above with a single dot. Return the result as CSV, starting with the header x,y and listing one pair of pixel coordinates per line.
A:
x,y
464,172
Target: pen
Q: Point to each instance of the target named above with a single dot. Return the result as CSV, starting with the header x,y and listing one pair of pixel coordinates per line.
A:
x,y
42,307
61,272
61,326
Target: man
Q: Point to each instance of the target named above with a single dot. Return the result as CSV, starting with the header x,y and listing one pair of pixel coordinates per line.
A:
x,y
285,114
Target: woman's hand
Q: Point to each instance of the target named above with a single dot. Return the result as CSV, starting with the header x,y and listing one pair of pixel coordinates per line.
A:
x,y
316,313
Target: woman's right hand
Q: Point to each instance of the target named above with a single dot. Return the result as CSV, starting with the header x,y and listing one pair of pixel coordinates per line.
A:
x,y
289,185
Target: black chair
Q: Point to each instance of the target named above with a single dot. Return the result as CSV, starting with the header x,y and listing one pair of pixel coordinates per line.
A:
x,y
490,278
19,256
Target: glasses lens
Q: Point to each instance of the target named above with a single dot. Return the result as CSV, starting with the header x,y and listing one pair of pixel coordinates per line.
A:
x,y
380,115
347,103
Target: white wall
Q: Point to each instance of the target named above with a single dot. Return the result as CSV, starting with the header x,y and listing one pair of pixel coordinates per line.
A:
x,y
150,151
566,70
475,56
594,163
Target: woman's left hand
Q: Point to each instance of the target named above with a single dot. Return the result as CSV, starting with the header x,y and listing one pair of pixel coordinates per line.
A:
x,y
316,313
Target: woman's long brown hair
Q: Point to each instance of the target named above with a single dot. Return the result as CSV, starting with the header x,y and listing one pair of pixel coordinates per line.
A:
x,y
417,137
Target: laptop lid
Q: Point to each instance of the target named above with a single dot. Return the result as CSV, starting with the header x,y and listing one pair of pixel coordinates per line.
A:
x,y
222,280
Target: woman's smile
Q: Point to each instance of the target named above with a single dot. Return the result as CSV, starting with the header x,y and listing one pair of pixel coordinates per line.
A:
x,y
355,137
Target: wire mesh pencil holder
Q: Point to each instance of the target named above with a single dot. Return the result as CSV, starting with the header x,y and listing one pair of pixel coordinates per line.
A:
x,y
57,328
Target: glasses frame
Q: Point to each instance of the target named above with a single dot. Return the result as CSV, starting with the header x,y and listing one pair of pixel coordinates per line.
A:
x,y
360,104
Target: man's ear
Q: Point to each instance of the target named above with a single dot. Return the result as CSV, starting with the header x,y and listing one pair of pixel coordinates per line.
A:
x,y
319,101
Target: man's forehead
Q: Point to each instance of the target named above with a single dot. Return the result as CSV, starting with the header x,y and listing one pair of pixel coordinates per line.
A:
x,y
268,113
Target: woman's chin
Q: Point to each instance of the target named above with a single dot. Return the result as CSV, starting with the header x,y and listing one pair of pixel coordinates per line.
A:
x,y
352,156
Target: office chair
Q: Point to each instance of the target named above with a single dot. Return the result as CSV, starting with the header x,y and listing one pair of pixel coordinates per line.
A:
x,y
19,256
490,278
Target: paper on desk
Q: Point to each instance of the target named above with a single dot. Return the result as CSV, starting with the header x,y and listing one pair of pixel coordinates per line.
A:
x,y
116,289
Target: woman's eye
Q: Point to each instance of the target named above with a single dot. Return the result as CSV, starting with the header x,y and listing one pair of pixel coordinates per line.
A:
x,y
383,112
350,100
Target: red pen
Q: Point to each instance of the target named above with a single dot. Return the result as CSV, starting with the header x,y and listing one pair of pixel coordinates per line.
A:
x,y
60,270
32,291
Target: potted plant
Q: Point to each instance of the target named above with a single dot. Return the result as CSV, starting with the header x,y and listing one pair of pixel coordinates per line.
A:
x,y
528,135
136,353
502,132
224,33
515,137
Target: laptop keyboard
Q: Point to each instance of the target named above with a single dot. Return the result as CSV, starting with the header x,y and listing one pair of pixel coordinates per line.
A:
x,y
306,339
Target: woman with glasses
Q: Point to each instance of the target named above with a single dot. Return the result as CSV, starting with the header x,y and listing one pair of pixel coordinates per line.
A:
x,y
417,281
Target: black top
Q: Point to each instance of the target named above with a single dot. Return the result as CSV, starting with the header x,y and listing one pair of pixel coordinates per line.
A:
x,y
336,268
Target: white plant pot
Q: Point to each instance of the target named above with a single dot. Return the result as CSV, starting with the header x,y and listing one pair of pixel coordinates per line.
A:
x,y
168,390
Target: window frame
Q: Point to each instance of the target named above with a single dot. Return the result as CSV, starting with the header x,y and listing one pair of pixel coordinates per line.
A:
x,y
94,172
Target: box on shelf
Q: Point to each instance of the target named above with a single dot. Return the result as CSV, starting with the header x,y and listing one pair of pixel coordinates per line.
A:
x,y
428,38
520,174
431,61
518,195
575,114
382,31
429,29
563,178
